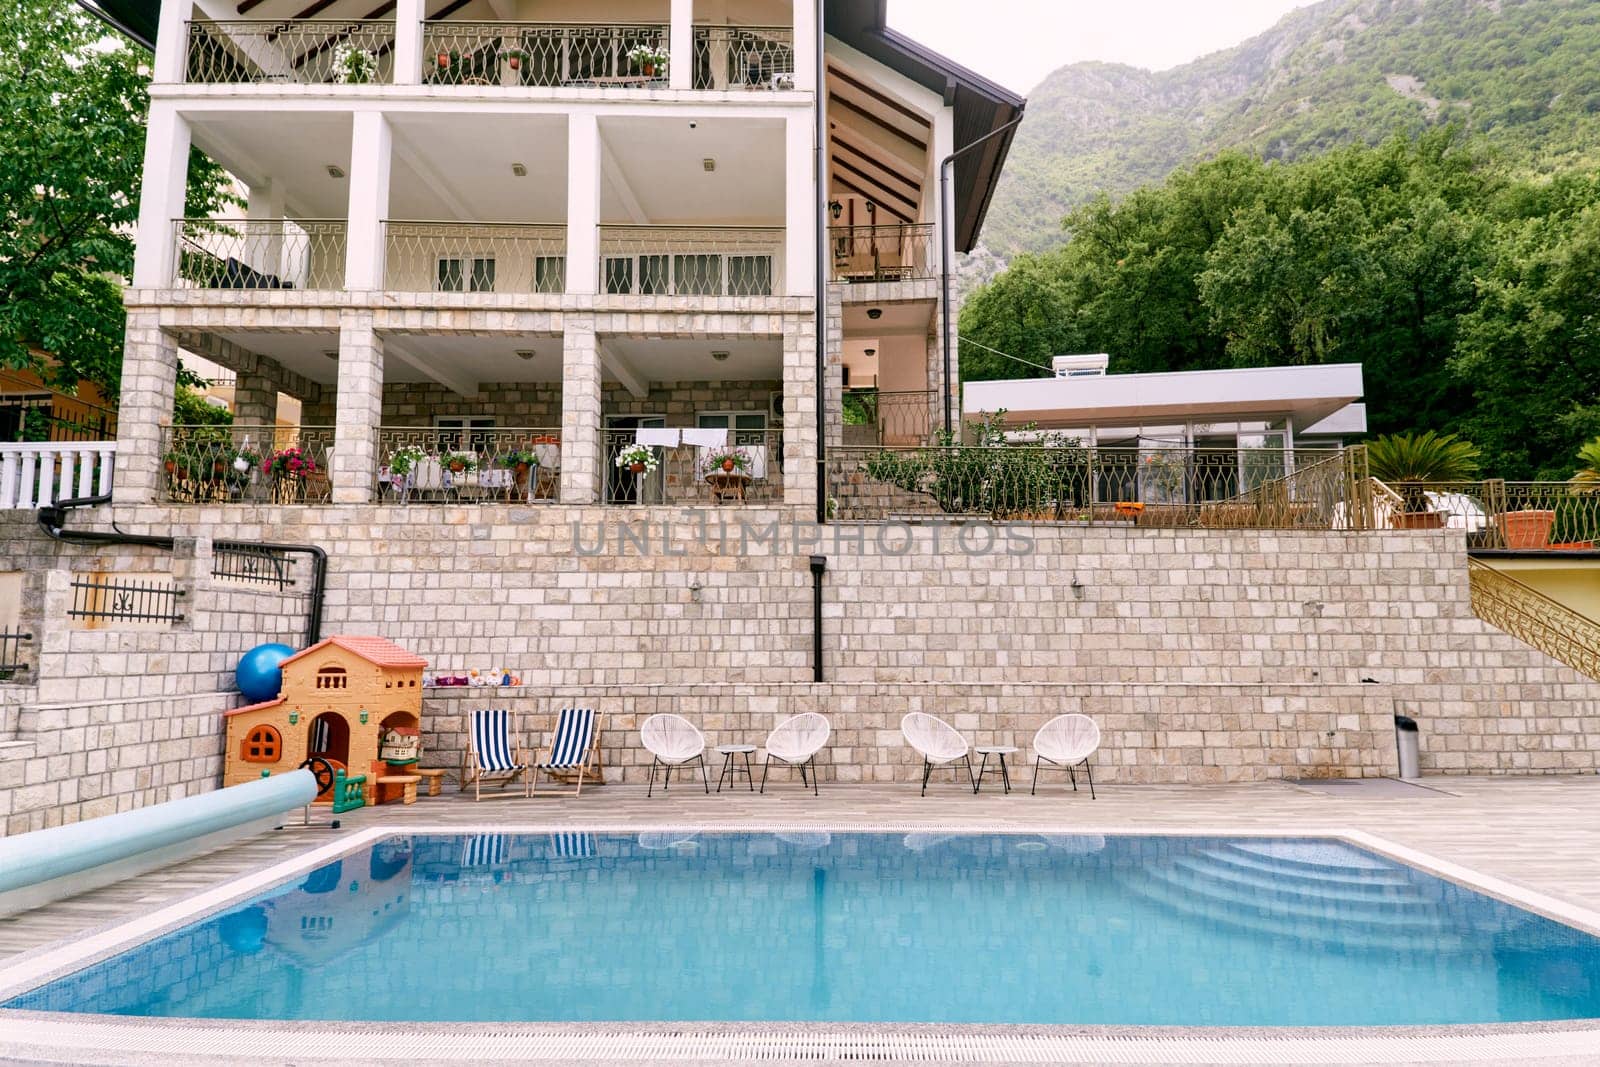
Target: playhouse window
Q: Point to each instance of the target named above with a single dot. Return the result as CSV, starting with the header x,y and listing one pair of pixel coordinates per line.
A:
x,y
331,678
262,745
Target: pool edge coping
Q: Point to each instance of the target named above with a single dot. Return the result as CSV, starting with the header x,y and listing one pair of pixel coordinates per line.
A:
x,y
38,967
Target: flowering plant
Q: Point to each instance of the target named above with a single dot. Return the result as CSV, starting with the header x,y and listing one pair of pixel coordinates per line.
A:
x,y
638,455
461,462
643,55
289,461
353,66
521,457
404,460
717,462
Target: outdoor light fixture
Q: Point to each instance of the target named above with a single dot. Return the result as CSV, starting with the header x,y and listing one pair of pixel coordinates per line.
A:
x,y
520,170
331,353
835,209
869,353
872,209
335,171
693,125
1077,588
874,314
525,353
720,357
709,163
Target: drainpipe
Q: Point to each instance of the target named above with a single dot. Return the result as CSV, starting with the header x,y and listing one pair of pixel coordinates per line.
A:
x,y
821,182
947,249
819,565
53,518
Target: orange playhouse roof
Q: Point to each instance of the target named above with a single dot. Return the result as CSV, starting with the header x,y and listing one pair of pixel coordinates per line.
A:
x,y
375,650
253,707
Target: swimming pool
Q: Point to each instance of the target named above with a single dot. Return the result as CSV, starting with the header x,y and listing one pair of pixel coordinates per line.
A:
x,y
894,928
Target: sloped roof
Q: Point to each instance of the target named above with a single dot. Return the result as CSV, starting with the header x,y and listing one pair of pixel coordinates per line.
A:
x,y
375,650
252,707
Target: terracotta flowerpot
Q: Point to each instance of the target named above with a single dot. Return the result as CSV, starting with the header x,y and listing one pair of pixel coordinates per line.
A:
x,y
169,466
444,60
515,62
1527,529
649,70
522,468
457,468
727,465
1571,546
637,468
1418,520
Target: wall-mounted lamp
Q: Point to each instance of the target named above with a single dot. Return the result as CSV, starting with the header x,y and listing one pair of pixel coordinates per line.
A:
x,y
709,164
294,717
835,209
335,171
696,592
363,716
872,209
1077,588
519,169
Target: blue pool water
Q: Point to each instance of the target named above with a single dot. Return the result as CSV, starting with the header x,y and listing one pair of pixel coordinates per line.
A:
x,y
857,927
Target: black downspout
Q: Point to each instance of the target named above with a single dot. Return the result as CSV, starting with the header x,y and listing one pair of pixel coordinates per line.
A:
x,y
52,520
821,184
819,564
947,251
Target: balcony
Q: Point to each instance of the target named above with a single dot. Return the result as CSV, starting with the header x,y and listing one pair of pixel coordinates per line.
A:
x,y
474,257
691,260
863,254
747,470
744,57
544,55
290,51
259,254
238,464
1498,516
434,465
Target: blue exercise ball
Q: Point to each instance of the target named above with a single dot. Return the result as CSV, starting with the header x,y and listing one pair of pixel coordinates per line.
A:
x,y
258,675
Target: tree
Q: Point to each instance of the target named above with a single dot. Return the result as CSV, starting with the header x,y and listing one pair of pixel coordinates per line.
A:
x,y
70,156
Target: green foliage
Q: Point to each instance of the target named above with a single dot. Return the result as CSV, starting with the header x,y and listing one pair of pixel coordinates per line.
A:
x,y
70,158
1588,475
1422,457
189,408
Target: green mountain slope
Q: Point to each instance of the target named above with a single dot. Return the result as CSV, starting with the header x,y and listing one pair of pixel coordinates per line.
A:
x,y
1522,74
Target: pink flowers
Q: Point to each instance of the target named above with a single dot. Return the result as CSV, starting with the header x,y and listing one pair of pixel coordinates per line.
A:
x,y
289,461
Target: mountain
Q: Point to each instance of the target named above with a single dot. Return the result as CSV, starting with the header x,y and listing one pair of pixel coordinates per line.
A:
x,y
1522,75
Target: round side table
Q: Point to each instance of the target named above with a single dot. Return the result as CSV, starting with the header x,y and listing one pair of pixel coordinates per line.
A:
x,y
731,770
1000,752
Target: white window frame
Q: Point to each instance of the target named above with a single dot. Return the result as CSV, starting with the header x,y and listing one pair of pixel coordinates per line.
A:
x,y
467,260
636,276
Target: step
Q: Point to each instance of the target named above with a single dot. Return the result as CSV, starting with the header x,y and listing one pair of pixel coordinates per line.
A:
x,y
1243,861
1369,915
1297,889
1328,857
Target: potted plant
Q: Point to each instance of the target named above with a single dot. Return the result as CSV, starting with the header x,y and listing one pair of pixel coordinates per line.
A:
x,y
520,461
354,66
727,461
170,462
515,57
1410,461
289,463
461,462
640,459
651,61
404,460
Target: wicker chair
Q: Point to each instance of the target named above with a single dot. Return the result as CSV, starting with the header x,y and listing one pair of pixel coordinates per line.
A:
x,y
672,741
1066,741
796,741
939,744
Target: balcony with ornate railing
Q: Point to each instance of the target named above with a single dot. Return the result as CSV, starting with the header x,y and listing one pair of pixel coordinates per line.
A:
x,y
237,464
894,418
474,257
436,465
882,253
291,51
1498,516
691,260
744,57
544,55
259,254
747,470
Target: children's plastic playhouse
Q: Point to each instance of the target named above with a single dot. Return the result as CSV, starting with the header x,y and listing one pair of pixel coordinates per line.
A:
x,y
354,702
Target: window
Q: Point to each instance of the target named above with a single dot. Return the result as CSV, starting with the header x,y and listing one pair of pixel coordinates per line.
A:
x,y
749,427
619,275
332,678
698,275
456,433
473,274
749,275
550,274
689,274
263,744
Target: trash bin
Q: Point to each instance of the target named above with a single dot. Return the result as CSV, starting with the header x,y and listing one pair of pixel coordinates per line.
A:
x,y
1407,740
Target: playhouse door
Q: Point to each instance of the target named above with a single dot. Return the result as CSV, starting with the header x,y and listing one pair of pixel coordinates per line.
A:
x,y
329,739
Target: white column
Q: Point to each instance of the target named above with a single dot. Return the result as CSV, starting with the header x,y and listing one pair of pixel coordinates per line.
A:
x,y
806,43
264,246
172,43
408,16
583,204
680,69
166,176
800,207
369,201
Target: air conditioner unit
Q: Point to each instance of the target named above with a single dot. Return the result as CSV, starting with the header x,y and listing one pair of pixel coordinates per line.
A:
x,y
775,407
1089,366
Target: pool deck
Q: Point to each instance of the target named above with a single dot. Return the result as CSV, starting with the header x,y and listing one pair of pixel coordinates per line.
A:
x,y
1536,840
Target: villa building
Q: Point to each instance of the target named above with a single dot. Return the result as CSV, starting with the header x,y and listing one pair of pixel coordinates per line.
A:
x,y
536,228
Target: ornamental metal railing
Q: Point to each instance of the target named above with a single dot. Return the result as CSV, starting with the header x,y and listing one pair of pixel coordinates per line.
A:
x,y
474,257
882,253
291,51
240,464
443,465
259,253
1498,515
1535,619
1153,487
744,57
544,55
691,260
251,565
896,418
36,474
12,660
747,470
124,600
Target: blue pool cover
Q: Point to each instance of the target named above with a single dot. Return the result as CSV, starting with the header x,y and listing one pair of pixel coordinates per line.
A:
x,y
861,928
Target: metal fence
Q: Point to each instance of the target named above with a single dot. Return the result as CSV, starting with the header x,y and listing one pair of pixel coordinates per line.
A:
x,y
246,464
744,57
1528,615
882,253
691,260
428,465
749,470
12,662
474,257
542,54
1498,515
120,600
251,565
259,253
291,51
897,418
1164,487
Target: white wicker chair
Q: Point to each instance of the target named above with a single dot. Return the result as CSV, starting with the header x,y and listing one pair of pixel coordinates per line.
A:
x,y
796,741
672,741
940,745
1066,741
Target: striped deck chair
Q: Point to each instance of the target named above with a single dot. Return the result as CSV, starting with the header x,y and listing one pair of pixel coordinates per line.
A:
x,y
572,846
491,752
574,750
484,850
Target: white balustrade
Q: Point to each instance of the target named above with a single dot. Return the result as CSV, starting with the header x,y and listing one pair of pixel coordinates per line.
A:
x,y
36,474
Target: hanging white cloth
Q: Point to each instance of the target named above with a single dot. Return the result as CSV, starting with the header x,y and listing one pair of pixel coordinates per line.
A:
x,y
657,437
706,438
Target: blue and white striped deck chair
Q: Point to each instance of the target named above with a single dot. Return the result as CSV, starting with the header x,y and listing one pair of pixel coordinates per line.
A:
x,y
573,751
483,851
491,752
572,846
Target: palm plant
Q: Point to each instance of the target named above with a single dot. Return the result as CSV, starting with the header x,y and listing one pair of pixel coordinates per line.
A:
x,y
1588,477
1408,461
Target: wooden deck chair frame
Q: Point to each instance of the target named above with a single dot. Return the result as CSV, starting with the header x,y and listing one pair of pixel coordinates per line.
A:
x,y
470,771
589,768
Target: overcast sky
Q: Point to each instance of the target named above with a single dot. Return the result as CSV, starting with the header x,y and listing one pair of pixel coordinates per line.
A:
x,y
1018,42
